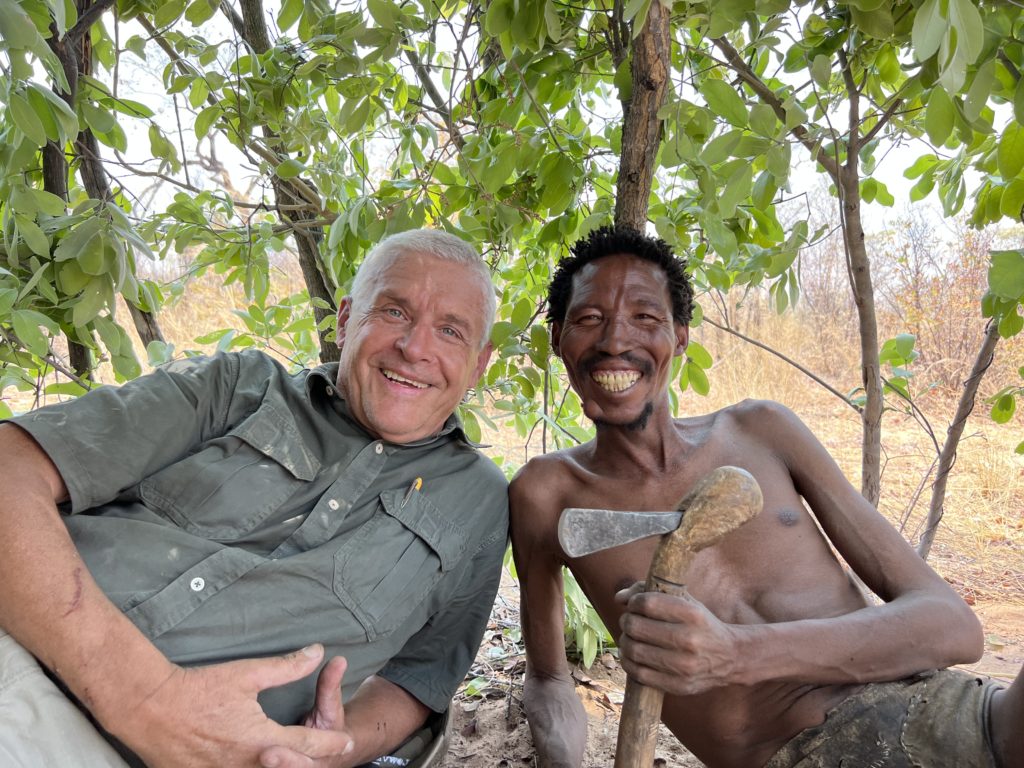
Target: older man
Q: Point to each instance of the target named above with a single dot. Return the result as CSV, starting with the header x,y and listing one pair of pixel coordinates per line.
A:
x,y
166,546
774,658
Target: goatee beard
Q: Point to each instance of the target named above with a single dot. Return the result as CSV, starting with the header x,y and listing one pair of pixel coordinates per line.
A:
x,y
636,425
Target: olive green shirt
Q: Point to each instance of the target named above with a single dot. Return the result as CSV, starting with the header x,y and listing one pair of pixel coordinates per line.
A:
x,y
233,510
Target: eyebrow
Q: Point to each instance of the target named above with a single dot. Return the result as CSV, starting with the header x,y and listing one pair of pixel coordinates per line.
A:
x,y
462,322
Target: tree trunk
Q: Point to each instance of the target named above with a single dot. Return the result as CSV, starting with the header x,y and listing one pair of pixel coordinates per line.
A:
x,y
80,359
641,126
864,299
74,53
307,239
947,457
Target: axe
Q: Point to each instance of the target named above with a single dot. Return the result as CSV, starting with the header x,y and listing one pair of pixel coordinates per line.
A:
x,y
723,501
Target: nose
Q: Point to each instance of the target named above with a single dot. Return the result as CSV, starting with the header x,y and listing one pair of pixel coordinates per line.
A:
x,y
616,336
414,344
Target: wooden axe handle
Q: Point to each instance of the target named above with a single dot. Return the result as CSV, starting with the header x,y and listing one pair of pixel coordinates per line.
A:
x,y
723,501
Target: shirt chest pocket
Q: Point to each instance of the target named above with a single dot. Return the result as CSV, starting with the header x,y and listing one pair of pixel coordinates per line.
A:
x,y
234,482
384,572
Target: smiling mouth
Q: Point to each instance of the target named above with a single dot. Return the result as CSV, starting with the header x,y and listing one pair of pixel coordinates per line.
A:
x,y
399,379
615,381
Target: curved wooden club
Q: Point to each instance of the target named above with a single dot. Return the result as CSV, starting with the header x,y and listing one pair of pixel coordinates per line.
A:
x,y
723,501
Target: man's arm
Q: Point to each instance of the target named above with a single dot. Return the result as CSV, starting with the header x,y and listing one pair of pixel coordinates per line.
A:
x,y
676,644
51,605
380,716
555,713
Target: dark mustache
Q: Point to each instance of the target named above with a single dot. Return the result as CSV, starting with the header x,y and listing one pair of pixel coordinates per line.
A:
x,y
590,362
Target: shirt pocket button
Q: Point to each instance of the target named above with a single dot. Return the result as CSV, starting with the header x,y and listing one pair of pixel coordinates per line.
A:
x,y
197,584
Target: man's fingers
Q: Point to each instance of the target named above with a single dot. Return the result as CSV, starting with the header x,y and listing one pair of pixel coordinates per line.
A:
x,y
663,607
303,746
280,670
623,595
327,710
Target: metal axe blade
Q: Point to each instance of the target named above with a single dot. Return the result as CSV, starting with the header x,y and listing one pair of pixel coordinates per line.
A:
x,y
582,531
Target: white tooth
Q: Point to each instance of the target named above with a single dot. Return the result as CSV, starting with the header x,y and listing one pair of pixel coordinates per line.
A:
x,y
616,381
401,379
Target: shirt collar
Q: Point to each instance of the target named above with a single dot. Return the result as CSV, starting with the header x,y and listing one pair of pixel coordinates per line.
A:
x,y
323,380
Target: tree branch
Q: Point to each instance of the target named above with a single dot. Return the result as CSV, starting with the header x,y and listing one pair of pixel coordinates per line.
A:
x,y
86,19
812,376
947,458
736,63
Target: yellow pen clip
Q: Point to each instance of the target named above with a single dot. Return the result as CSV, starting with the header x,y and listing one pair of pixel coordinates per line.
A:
x,y
416,485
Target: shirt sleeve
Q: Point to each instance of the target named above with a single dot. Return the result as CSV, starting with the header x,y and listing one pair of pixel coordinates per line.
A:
x,y
435,660
111,438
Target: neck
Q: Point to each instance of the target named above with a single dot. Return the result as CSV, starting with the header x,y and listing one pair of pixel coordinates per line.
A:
x,y
652,450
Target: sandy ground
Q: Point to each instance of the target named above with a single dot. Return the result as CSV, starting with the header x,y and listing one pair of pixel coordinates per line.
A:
x,y
490,730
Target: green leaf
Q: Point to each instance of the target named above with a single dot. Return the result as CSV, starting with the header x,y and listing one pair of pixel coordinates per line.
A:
x,y
878,23
928,30
289,169
26,324
290,12
75,241
33,236
97,118
92,301
1011,203
552,21
821,70
1004,408
1006,274
938,117
385,13
636,8
763,120
68,388
698,379
26,119
723,100
981,87
498,18
205,120
5,411
1011,324
965,18
905,345
1018,101
16,28
168,12
698,355
1010,152
7,299
48,202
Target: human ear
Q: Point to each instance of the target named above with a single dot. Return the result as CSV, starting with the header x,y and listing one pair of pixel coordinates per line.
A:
x,y
344,312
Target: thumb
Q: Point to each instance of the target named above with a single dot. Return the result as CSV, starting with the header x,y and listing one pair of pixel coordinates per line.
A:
x,y
327,711
280,670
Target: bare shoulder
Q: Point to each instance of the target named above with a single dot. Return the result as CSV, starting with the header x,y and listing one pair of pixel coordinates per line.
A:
x,y
538,491
765,421
540,482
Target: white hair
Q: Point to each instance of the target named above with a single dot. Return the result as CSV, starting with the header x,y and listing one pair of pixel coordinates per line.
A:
x,y
429,242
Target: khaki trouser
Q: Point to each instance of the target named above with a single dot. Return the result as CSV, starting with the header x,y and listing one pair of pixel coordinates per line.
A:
x,y
39,727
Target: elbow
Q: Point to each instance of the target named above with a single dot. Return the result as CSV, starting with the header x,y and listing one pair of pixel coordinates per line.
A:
x,y
964,639
973,642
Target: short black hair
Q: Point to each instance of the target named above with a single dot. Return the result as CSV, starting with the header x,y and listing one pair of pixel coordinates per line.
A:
x,y
613,240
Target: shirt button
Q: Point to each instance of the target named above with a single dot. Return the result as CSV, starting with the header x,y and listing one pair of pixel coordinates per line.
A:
x,y
379,448
330,390
197,584
333,504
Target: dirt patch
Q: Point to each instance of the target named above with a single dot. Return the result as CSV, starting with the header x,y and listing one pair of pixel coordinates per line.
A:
x,y
490,730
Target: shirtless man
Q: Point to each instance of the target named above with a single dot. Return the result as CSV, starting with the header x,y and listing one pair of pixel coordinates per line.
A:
x,y
773,634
